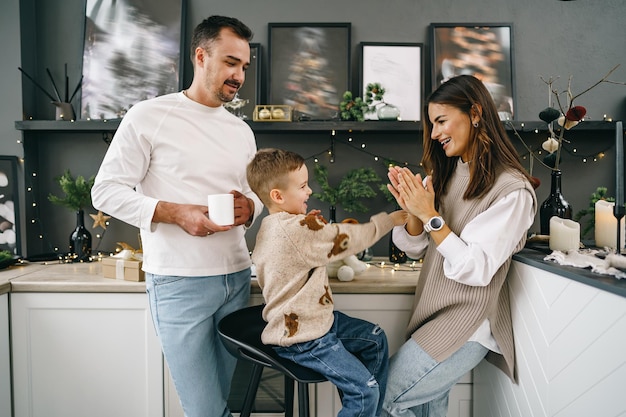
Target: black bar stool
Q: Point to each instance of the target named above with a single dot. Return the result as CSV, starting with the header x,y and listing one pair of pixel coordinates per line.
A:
x,y
240,332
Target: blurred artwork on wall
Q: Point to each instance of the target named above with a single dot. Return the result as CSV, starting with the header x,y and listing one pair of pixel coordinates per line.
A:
x,y
132,52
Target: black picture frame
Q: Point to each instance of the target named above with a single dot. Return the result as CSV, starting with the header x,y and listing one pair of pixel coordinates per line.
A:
x,y
10,226
251,88
309,67
481,49
130,54
397,66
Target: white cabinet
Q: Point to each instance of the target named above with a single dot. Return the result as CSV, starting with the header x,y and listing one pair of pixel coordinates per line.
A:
x,y
392,312
5,368
570,351
85,354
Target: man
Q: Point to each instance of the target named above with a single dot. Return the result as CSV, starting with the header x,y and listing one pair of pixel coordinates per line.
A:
x,y
168,154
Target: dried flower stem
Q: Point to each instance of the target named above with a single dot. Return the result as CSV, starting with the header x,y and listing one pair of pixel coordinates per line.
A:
x,y
530,151
570,100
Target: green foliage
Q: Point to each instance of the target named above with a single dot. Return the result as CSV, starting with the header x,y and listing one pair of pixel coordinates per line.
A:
x,y
374,92
355,108
5,255
385,191
352,108
600,194
77,191
355,185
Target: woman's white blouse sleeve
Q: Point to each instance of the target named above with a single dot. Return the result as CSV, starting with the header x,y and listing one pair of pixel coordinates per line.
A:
x,y
413,246
488,240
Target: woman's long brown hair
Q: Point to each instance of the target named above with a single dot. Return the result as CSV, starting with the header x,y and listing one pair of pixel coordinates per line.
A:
x,y
490,147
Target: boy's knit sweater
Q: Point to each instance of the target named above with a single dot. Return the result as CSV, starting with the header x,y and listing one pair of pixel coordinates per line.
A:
x,y
290,256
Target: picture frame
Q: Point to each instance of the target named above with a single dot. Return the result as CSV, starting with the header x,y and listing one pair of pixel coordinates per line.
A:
x,y
481,49
397,67
10,233
115,75
250,91
309,67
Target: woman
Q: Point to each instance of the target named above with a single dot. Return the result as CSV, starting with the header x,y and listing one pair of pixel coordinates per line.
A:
x,y
469,215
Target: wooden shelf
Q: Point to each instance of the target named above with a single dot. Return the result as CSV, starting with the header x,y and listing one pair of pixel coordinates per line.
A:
x,y
308,126
68,126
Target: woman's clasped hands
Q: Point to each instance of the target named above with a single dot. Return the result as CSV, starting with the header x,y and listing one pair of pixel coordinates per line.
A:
x,y
414,195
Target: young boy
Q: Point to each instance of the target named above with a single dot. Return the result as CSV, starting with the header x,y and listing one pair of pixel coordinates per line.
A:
x,y
291,253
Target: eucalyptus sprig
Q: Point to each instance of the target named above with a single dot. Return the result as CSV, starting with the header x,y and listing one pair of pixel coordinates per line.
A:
x,y
77,191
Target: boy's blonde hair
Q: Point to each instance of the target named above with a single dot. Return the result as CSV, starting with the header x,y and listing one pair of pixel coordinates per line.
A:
x,y
270,169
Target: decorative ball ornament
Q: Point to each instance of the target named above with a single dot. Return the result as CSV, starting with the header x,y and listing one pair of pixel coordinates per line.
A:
x,y
566,123
345,273
265,114
550,145
278,113
550,160
549,114
576,113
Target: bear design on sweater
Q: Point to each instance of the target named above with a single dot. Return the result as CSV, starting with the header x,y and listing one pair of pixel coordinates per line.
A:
x,y
313,222
291,324
326,298
340,244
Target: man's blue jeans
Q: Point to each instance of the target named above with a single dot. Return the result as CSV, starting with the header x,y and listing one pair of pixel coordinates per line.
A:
x,y
185,312
353,355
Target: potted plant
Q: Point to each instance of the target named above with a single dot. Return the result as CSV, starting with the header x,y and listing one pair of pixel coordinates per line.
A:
x,y
77,196
353,187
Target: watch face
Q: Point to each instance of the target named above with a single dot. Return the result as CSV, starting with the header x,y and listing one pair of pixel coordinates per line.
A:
x,y
436,223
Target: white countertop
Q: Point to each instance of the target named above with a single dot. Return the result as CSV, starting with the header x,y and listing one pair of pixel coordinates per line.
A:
x,y
379,278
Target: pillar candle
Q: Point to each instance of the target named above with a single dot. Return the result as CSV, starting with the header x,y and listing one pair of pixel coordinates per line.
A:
x,y
564,234
606,225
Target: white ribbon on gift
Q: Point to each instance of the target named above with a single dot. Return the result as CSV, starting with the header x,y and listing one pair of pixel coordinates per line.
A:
x,y
125,255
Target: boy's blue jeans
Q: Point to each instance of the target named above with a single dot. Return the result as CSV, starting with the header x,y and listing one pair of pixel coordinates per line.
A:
x,y
353,355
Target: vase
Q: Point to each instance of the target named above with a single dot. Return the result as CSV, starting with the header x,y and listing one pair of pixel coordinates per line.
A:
x,y
554,205
332,218
395,255
388,112
64,111
80,240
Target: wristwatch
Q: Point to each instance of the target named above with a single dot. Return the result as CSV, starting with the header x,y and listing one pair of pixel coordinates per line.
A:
x,y
434,224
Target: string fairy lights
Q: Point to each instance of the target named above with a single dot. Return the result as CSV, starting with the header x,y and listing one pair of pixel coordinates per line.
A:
x,y
567,147
348,139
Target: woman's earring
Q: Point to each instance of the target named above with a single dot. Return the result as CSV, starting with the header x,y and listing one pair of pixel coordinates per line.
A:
x,y
475,124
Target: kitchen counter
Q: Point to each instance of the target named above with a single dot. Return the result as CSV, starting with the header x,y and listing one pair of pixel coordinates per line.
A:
x,y
14,271
379,278
534,257
66,277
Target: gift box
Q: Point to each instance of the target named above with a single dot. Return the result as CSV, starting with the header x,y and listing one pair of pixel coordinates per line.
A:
x,y
119,268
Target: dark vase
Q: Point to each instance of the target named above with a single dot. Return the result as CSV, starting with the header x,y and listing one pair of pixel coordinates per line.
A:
x,y
395,255
554,205
80,240
332,215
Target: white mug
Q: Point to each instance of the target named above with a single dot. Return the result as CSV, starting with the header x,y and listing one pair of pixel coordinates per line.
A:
x,y
222,209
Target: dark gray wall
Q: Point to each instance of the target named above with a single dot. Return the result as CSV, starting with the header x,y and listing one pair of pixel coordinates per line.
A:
x,y
583,38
